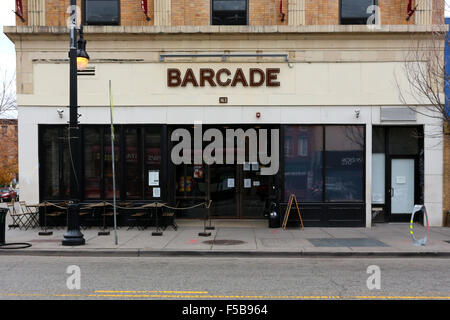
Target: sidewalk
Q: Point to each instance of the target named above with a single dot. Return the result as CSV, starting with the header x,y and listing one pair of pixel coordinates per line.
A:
x,y
242,238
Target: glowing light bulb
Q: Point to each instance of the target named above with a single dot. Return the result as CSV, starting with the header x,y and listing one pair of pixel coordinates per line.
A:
x,y
82,63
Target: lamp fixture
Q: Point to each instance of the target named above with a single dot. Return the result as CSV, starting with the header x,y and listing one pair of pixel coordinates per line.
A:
x,y
82,56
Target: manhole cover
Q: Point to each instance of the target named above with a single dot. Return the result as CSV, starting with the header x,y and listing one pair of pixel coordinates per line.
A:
x,y
224,242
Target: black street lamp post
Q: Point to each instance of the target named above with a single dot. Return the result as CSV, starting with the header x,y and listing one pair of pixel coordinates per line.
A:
x,y
73,236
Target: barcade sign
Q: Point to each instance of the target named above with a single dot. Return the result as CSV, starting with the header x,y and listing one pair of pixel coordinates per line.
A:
x,y
253,77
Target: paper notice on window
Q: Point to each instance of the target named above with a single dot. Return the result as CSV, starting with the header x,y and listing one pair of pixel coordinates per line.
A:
x,y
256,183
246,166
401,180
230,183
153,178
255,166
156,192
247,183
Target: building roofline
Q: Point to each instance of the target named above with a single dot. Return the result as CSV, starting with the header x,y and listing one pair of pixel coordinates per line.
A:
x,y
312,29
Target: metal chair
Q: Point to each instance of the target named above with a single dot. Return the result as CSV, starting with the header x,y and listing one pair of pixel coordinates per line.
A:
x,y
17,218
32,217
20,220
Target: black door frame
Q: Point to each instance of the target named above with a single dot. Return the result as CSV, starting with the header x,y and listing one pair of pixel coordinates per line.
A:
x,y
400,217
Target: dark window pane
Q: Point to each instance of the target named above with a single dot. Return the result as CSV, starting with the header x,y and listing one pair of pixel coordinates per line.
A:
x,y
133,178
152,156
102,12
229,12
66,164
378,140
51,165
229,5
108,163
344,163
355,11
303,162
404,141
92,163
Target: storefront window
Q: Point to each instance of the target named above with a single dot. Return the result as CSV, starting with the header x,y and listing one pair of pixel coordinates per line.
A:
x,y
152,169
378,165
108,181
344,163
133,178
51,163
92,163
404,141
303,163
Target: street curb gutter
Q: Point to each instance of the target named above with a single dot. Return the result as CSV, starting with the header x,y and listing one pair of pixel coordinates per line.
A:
x,y
224,254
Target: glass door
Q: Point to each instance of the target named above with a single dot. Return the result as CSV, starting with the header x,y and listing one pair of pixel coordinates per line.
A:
x,y
256,191
223,190
402,186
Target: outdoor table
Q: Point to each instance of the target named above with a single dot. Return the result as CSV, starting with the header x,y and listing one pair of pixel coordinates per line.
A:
x,y
156,205
45,204
103,204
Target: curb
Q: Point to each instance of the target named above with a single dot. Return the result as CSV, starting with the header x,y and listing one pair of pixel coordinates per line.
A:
x,y
211,254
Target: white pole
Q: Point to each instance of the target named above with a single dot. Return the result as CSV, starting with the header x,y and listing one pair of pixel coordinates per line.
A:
x,y
113,164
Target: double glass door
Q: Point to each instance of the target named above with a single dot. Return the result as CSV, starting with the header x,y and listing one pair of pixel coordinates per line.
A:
x,y
239,191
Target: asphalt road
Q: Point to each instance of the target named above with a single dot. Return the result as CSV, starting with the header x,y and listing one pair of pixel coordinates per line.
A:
x,y
23,277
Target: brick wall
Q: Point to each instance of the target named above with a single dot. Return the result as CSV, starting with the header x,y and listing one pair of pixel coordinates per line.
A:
x,y
191,12
25,14
262,12
394,12
131,13
56,13
9,153
322,12
267,12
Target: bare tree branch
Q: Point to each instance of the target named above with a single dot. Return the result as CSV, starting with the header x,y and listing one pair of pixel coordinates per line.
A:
x,y
8,100
425,71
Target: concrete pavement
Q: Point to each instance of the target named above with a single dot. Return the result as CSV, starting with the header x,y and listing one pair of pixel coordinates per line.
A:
x,y
245,238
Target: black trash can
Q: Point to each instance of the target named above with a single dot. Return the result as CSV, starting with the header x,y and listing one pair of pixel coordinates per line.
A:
x,y
274,218
3,213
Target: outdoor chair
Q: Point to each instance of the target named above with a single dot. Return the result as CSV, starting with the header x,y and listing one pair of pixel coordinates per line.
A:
x,y
32,217
53,215
87,216
17,218
168,219
139,218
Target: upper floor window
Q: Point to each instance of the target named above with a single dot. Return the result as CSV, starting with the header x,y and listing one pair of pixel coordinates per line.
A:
x,y
355,11
101,12
229,12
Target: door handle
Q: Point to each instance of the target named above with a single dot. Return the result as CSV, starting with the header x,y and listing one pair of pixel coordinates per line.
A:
x,y
392,192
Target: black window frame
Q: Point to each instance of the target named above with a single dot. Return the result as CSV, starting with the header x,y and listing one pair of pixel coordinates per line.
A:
x,y
324,163
362,20
86,23
247,15
121,182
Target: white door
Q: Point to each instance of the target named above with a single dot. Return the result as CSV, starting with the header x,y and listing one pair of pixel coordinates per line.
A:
x,y
402,186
